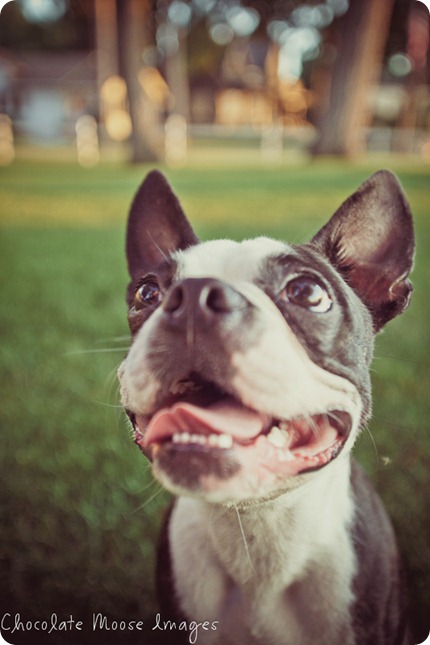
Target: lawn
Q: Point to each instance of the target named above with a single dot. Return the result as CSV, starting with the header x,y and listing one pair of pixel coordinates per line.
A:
x,y
79,510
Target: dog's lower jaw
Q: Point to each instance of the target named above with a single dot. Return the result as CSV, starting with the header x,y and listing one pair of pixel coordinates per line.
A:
x,y
279,573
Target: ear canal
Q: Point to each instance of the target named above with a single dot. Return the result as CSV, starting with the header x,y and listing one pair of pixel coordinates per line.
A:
x,y
370,241
157,226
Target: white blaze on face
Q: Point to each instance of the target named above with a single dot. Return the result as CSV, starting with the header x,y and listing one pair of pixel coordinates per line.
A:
x,y
233,262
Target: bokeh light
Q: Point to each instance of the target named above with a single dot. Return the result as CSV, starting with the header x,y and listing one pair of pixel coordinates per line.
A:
x,y
221,33
180,13
244,21
40,11
7,150
87,142
204,6
399,64
116,116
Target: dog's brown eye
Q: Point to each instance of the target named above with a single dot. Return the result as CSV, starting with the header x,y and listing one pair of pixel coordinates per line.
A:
x,y
306,291
148,295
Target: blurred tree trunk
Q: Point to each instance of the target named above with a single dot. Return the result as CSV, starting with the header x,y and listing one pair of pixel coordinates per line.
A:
x,y
134,37
363,32
417,50
106,39
177,77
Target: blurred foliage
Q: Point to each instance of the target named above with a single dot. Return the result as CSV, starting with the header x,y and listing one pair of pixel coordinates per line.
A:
x,y
76,30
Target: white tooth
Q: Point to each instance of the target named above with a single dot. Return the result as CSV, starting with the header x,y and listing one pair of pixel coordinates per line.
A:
x,y
186,437
284,425
197,438
182,437
220,440
225,441
277,437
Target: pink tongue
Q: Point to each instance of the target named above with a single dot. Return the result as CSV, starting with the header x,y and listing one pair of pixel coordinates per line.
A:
x,y
227,416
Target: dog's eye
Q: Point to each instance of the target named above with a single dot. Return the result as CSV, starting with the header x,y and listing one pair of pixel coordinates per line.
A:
x,y
148,295
306,291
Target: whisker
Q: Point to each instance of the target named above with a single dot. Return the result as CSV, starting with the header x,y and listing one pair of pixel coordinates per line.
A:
x,y
375,447
148,501
244,537
403,359
393,424
111,391
109,405
105,350
160,250
150,484
314,426
335,417
332,415
113,339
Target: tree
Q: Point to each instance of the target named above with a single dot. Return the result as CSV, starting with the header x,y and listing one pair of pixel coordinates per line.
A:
x,y
363,32
134,37
124,31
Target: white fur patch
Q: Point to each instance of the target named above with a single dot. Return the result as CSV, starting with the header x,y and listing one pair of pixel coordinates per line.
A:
x,y
252,568
232,262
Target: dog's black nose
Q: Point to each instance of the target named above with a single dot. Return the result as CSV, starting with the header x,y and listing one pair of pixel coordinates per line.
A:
x,y
204,299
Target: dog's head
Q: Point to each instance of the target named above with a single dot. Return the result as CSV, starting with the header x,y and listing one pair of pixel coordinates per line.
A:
x,y
249,366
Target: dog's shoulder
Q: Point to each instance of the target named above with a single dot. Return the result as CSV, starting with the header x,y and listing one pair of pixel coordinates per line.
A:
x,y
379,588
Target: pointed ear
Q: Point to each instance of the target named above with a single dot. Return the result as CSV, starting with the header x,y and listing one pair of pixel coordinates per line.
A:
x,y
157,226
370,241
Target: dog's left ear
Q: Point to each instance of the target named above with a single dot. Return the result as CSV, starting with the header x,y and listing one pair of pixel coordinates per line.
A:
x,y
370,241
157,225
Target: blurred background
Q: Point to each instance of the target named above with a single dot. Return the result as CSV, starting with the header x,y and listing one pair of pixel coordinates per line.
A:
x,y
160,76
265,116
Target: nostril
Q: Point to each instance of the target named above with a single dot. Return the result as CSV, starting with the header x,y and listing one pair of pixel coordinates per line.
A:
x,y
201,299
175,299
215,299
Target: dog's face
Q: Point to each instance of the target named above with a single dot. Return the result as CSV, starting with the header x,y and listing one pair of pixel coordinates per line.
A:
x,y
249,367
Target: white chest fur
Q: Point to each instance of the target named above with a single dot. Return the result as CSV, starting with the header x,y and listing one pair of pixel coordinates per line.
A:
x,y
278,573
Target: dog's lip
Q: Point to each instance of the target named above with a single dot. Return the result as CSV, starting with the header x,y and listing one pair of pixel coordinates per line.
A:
x,y
290,445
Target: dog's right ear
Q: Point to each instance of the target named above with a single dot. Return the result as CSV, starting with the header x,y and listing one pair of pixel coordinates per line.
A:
x,y
157,225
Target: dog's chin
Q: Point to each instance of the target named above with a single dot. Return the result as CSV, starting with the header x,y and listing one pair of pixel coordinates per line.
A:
x,y
204,441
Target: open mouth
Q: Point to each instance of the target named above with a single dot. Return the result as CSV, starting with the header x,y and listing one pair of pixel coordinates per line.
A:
x,y
199,417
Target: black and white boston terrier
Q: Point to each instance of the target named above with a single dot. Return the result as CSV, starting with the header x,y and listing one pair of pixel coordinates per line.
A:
x,y
247,383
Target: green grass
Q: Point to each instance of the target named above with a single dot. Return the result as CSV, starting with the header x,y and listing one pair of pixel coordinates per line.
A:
x,y
79,510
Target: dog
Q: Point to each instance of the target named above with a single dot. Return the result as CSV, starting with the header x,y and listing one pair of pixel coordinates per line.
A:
x,y
247,384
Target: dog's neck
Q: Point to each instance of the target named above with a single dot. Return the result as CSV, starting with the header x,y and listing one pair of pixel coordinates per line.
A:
x,y
297,525
259,557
